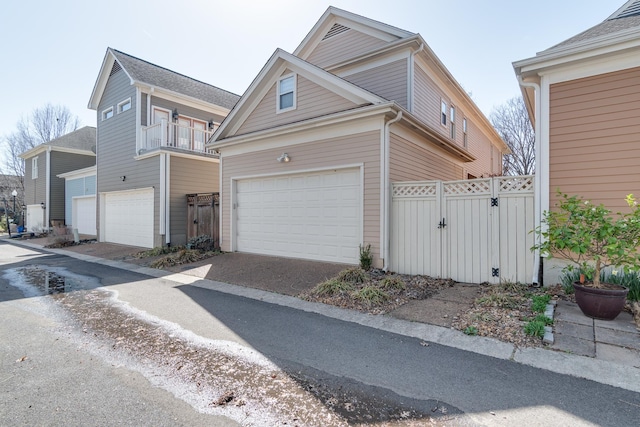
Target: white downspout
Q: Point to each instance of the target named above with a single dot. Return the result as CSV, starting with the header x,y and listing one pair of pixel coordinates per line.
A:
x,y
537,214
47,195
163,184
410,80
387,189
167,199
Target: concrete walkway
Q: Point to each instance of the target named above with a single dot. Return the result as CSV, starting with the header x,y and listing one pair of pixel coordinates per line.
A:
x,y
615,341
613,361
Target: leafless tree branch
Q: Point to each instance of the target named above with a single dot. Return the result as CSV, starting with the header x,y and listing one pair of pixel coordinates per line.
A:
x,y
511,121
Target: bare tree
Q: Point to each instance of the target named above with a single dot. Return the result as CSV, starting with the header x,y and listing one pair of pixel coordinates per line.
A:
x,y
511,121
42,125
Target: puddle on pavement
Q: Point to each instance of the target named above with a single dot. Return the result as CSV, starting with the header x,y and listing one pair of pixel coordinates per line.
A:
x,y
49,282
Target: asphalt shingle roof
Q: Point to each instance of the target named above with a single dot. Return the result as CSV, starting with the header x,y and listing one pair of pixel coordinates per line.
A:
x,y
154,75
81,139
624,19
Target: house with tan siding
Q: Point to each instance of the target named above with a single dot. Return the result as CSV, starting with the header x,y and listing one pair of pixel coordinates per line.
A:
x,y
152,127
308,154
583,97
44,191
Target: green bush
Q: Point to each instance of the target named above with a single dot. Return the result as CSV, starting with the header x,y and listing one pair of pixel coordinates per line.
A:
x,y
534,328
202,243
366,257
544,319
539,304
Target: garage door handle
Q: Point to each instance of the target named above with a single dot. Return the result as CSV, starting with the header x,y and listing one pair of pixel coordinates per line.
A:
x,y
442,224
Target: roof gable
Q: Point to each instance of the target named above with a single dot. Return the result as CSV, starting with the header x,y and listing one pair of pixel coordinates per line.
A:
x,y
145,73
80,141
268,76
336,21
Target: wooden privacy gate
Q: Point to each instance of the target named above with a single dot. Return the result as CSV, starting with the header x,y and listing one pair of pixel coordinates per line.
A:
x,y
203,216
471,231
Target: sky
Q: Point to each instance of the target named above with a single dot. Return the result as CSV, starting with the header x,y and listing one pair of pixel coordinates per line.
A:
x,y
51,51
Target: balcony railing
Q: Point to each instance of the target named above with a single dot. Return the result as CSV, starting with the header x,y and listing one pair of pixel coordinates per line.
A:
x,y
167,134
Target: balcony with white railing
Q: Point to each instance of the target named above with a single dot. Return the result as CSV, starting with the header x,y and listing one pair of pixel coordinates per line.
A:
x,y
174,136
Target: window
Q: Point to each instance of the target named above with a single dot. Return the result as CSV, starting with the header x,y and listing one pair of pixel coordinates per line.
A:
x,y
452,118
107,114
34,168
286,93
443,113
124,106
464,131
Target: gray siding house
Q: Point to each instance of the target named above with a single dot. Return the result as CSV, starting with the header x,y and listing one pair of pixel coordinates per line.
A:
x,y
44,192
152,125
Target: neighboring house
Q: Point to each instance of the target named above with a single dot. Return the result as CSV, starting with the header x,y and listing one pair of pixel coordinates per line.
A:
x,y
80,200
152,127
9,184
583,96
310,150
43,190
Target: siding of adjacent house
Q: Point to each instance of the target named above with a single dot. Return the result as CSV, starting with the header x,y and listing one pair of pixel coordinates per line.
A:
x,y
344,46
346,150
312,101
411,159
188,176
388,81
34,189
117,145
593,138
83,186
62,163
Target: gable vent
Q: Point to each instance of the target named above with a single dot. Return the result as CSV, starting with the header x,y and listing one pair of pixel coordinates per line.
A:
x,y
335,30
116,68
631,10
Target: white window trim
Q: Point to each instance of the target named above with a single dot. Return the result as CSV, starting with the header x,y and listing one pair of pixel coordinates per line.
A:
x,y
105,112
295,90
452,120
465,128
443,113
121,104
34,168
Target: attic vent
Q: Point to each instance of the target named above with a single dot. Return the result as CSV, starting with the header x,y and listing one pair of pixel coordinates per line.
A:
x,y
116,68
631,10
335,30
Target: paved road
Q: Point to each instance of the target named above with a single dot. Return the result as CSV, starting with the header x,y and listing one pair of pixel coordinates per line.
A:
x,y
339,355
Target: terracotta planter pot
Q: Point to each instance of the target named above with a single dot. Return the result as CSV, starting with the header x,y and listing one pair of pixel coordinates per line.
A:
x,y
603,304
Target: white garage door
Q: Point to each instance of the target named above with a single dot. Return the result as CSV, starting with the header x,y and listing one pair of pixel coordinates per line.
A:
x,y
129,218
83,214
314,216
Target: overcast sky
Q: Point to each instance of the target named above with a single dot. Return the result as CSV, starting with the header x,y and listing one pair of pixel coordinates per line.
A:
x,y
51,51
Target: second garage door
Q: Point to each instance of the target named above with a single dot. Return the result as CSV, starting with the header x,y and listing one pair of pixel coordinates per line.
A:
x,y
129,218
315,216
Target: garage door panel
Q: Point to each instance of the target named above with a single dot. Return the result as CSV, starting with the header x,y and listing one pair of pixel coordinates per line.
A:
x,y
314,216
129,218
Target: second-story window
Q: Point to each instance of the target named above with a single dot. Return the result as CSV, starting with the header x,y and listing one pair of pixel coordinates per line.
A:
x,y
287,93
452,118
124,106
34,168
107,114
443,113
464,131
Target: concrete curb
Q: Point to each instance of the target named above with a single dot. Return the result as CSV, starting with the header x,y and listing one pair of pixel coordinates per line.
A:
x,y
563,363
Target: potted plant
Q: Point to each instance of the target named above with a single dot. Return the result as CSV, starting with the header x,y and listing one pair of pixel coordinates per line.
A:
x,y
592,238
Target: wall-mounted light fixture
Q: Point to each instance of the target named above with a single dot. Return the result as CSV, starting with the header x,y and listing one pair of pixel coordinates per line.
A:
x,y
123,178
211,124
284,158
42,205
175,114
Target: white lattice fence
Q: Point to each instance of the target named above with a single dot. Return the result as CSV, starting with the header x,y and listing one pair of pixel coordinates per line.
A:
x,y
471,231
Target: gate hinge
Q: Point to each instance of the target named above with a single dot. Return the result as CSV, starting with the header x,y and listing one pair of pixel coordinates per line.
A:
x,y
494,201
495,272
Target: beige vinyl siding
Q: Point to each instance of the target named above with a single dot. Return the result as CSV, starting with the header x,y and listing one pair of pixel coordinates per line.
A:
x,y
188,176
414,160
342,47
62,163
312,101
426,101
388,81
348,150
488,157
593,138
116,148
